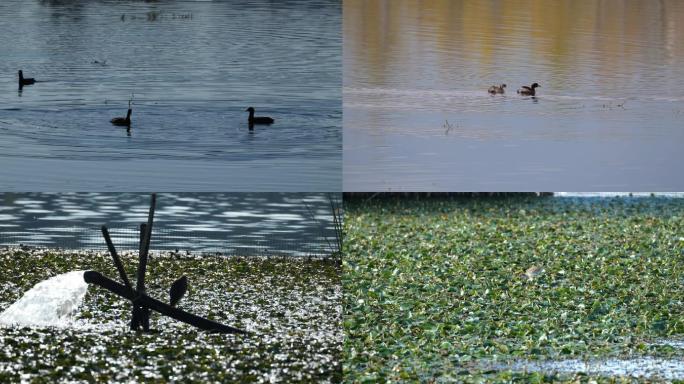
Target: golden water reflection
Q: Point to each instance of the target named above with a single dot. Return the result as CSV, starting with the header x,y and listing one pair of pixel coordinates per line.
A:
x,y
608,115
441,42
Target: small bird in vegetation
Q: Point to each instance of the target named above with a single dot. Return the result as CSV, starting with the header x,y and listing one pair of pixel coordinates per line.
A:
x,y
257,119
528,91
123,121
533,272
178,289
25,80
494,89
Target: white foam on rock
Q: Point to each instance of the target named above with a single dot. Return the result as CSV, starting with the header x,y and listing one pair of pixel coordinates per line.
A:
x,y
51,302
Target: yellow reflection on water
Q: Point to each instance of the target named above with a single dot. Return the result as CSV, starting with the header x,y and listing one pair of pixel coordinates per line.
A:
x,y
387,39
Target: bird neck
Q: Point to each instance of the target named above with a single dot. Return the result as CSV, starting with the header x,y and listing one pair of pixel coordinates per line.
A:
x,y
128,115
251,115
21,76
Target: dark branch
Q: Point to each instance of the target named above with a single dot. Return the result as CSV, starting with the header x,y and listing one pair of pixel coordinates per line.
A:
x,y
145,301
115,256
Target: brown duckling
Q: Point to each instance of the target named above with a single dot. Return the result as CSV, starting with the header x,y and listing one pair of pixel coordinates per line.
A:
x,y
528,91
497,89
533,272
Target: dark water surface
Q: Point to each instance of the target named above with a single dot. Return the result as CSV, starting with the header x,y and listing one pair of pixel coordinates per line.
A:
x,y
609,115
241,223
192,67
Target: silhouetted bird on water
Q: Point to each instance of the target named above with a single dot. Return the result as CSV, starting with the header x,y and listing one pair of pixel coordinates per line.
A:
x,y
25,80
494,89
177,290
123,121
257,119
528,91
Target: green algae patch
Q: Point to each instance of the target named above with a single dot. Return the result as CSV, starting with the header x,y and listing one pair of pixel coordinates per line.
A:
x,y
291,307
464,290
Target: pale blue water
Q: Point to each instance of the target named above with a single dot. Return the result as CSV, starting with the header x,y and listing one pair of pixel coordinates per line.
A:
x,y
192,67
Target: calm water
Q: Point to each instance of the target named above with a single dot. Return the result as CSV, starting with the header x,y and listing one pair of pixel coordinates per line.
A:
x,y
643,368
192,67
243,223
608,116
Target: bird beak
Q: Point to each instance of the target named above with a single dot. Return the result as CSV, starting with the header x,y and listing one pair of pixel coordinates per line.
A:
x,y
247,110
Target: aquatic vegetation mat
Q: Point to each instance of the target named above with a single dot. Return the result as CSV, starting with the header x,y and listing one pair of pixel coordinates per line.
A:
x,y
291,307
488,289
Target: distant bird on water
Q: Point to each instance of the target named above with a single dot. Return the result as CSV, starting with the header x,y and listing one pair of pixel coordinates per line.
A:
x,y
25,80
178,289
528,91
123,121
494,89
257,119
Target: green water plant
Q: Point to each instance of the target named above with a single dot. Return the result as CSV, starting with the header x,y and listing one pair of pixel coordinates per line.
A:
x,y
453,289
291,305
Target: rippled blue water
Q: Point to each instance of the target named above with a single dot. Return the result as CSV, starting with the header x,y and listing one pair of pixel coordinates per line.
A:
x,y
192,68
241,223
608,116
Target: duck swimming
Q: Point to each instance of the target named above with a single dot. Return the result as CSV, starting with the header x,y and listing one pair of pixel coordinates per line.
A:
x,y
257,119
25,80
123,121
528,91
497,89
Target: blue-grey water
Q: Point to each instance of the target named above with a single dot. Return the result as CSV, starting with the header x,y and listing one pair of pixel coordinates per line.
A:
x,y
191,69
609,115
231,223
642,368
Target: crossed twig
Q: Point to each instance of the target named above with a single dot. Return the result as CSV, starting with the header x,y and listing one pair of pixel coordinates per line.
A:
x,y
142,303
